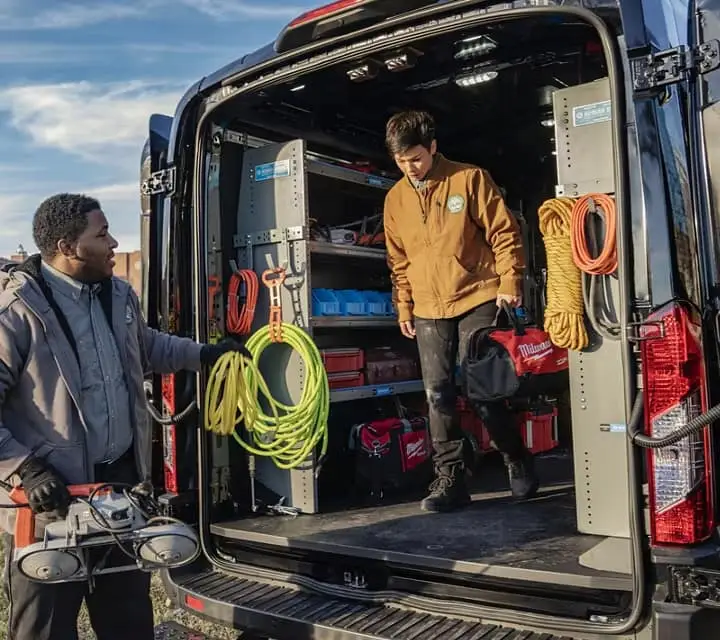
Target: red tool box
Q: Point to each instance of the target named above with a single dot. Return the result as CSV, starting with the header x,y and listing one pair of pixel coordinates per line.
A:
x,y
539,428
346,379
342,360
384,365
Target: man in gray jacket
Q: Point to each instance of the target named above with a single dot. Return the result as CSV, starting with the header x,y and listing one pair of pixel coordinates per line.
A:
x,y
74,352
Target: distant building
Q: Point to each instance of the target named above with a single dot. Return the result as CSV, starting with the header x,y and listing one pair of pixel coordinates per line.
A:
x,y
128,266
20,256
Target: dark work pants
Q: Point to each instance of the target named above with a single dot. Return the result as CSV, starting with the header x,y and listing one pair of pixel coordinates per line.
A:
x,y
439,343
119,605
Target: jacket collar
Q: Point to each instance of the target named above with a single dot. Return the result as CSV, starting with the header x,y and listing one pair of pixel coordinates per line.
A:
x,y
438,172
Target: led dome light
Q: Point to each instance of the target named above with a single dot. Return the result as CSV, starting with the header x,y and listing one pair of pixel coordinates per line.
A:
x,y
475,47
475,78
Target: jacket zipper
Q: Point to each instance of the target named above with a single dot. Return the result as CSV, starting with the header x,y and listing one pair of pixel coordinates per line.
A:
x,y
87,467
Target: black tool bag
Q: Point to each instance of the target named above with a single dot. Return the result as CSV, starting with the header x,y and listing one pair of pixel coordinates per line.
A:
x,y
511,360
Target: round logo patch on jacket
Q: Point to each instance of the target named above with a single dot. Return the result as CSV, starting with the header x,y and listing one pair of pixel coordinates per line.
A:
x,y
455,204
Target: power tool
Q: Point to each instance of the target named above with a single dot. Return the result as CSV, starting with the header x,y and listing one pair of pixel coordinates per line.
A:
x,y
100,518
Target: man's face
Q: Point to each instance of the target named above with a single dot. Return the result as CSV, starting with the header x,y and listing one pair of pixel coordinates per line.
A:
x,y
92,254
416,161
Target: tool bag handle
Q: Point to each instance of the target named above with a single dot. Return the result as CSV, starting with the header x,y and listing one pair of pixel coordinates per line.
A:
x,y
509,312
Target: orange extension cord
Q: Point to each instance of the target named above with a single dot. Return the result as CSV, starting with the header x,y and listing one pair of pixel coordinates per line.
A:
x,y
606,263
239,319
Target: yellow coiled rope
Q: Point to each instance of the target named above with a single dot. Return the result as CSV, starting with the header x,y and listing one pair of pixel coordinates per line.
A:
x,y
564,313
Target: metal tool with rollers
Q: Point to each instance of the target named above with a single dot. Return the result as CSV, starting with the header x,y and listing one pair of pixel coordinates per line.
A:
x,y
99,518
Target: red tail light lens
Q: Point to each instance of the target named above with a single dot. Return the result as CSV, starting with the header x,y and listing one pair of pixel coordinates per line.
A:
x,y
321,12
680,476
169,435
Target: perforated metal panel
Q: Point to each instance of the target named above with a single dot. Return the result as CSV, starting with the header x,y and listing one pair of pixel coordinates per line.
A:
x,y
272,215
599,437
583,139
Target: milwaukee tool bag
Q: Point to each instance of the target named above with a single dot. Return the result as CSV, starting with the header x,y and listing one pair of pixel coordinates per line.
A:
x,y
391,454
504,362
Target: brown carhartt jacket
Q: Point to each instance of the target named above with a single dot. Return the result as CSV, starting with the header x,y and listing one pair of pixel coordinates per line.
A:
x,y
452,245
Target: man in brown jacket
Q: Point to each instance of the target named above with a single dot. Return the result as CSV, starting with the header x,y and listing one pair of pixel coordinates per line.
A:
x,y
455,252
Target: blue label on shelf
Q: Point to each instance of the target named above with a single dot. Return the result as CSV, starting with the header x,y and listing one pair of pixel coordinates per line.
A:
x,y
383,391
272,170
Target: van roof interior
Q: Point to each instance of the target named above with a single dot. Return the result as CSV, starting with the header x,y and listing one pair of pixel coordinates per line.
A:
x,y
331,112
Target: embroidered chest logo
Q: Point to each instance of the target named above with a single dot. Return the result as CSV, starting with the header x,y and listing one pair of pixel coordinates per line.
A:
x,y
455,204
129,315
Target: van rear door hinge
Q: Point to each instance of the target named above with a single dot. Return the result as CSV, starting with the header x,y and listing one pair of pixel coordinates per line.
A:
x,y
159,183
672,65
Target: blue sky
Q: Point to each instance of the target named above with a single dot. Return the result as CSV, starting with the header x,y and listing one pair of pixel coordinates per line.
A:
x,y
79,80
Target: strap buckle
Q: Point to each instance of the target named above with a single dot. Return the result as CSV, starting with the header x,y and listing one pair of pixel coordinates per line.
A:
x,y
273,279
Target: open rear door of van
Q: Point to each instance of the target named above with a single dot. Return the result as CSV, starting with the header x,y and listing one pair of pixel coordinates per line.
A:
x,y
155,178
707,106
674,86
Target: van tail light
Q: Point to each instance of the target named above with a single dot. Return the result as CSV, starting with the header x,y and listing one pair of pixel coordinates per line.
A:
x,y
169,435
323,12
679,476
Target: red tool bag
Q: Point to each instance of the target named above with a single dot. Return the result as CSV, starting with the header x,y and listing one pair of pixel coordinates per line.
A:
x,y
513,361
392,454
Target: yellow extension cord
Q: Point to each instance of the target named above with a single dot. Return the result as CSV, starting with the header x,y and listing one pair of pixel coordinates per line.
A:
x,y
290,434
564,313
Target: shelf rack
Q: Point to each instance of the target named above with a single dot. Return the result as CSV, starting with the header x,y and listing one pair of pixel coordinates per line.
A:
x,y
273,230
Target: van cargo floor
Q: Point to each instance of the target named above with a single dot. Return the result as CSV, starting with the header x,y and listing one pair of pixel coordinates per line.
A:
x,y
535,540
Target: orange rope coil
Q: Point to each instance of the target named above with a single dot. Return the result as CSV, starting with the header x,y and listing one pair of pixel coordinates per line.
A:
x,y
606,262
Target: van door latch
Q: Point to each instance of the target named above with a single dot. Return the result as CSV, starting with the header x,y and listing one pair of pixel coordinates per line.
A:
x,y
672,65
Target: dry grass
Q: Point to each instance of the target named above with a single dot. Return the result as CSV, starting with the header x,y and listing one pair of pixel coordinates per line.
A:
x,y
163,612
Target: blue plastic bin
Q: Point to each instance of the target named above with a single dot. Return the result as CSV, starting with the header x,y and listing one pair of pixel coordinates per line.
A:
x,y
352,302
325,303
375,303
389,308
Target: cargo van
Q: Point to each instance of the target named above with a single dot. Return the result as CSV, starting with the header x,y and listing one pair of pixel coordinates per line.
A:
x,y
262,202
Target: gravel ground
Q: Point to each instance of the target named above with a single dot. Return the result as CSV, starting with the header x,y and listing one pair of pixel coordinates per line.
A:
x,y
163,613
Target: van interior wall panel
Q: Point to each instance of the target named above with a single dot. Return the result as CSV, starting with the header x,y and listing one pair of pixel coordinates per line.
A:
x,y
508,126
272,203
585,165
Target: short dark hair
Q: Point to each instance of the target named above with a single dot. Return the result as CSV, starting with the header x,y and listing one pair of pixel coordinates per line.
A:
x,y
61,217
408,129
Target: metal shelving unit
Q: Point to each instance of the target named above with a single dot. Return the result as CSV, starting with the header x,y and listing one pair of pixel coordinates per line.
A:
x,y
272,230
337,171
376,391
346,250
348,322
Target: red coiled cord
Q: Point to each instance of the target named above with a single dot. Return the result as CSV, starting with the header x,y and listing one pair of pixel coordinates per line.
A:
x,y
240,316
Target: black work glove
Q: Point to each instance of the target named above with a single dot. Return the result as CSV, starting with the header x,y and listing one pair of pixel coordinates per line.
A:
x,y
45,490
210,353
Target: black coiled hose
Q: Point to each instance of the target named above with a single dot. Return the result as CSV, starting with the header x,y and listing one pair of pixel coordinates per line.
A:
x,y
648,442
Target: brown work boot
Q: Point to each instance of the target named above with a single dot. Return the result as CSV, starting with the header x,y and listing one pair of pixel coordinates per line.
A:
x,y
448,491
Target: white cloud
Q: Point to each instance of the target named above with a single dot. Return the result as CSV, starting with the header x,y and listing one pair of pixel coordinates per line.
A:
x,y
98,122
101,128
15,15
36,53
67,15
231,9
121,203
